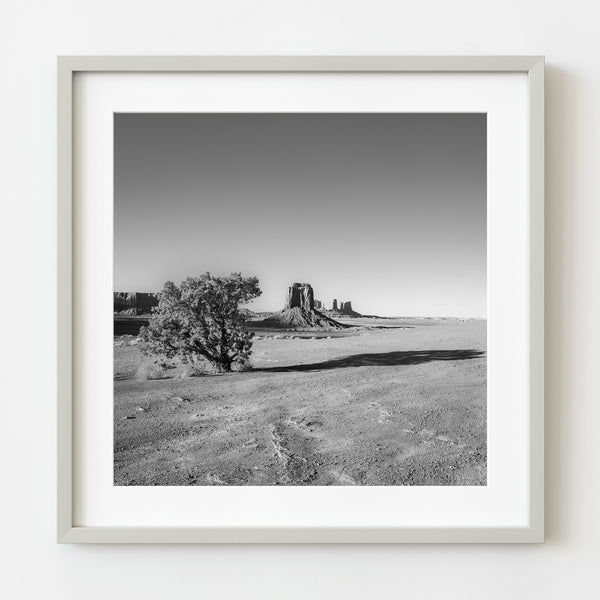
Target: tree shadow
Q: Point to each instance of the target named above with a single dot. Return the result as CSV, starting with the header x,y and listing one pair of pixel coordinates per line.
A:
x,y
382,359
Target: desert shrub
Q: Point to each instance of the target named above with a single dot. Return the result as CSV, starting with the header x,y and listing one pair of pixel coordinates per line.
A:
x,y
159,369
196,369
200,320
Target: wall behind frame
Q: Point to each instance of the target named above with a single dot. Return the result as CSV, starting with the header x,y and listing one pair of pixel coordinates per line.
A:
x,y
34,33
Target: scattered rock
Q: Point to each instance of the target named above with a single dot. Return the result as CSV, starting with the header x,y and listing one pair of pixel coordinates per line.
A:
x,y
342,478
215,479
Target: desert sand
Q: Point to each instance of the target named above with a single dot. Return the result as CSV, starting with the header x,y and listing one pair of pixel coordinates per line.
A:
x,y
385,402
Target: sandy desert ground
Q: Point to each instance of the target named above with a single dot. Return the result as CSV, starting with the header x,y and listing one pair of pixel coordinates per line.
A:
x,y
390,402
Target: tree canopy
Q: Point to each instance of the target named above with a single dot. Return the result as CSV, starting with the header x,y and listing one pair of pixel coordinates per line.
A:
x,y
200,320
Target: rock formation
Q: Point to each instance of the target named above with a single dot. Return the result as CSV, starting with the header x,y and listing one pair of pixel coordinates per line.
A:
x,y
318,304
300,295
134,303
300,312
343,309
346,306
346,309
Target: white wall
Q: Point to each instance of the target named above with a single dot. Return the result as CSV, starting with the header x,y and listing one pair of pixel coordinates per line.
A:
x,y
33,32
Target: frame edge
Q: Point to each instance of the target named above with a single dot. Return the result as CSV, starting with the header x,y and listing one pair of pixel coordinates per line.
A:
x,y
536,298
64,300
356,63
299,535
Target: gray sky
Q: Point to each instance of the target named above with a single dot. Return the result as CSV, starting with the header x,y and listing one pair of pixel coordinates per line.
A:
x,y
386,210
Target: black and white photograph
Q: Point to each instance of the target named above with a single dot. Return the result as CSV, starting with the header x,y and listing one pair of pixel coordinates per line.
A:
x,y
300,299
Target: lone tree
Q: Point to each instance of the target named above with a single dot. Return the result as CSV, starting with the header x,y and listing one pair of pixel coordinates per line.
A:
x,y
201,320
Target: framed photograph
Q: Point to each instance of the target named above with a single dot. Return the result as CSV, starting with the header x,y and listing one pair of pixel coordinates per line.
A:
x,y
301,299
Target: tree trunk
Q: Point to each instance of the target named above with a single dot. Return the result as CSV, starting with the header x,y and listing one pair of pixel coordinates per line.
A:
x,y
223,367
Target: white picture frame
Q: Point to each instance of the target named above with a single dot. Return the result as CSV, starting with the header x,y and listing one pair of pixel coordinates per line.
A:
x,y
69,531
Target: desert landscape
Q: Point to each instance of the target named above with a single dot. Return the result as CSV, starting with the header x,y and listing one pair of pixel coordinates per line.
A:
x,y
300,299
394,401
